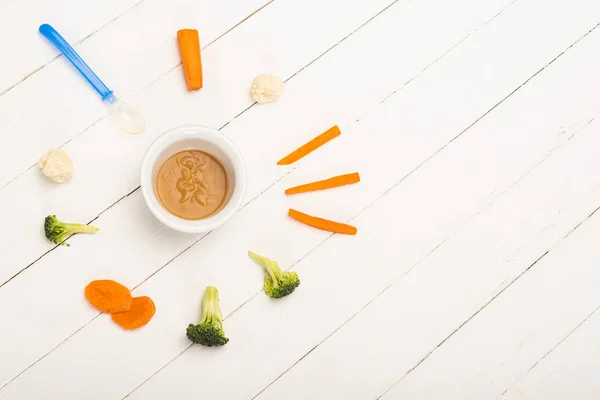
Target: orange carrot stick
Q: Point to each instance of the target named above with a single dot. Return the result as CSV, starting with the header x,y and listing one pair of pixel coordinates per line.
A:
x,y
336,181
311,146
320,223
189,47
108,296
141,312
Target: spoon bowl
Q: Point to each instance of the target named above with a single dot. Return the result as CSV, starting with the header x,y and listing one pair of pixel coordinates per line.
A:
x,y
127,117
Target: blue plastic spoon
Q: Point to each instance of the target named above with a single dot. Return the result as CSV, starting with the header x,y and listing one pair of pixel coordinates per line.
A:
x,y
127,117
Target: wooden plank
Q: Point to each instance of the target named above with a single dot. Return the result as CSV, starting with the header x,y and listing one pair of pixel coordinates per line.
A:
x,y
570,369
128,55
20,41
230,66
179,286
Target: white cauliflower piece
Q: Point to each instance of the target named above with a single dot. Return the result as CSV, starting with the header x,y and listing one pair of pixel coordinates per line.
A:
x,y
266,88
57,166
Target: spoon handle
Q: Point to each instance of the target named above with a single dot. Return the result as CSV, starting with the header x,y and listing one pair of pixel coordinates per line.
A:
x,y
61,44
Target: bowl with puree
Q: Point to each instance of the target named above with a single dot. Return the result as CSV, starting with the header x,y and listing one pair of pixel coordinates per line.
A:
x,y
193,178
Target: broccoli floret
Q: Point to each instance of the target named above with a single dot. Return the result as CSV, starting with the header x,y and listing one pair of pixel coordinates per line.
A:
x,y
209,331
57,231
278,283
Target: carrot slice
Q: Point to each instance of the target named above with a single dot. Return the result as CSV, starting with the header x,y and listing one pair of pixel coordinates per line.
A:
x,y
320,223
108,296
189,47
311,146
336,181
141,312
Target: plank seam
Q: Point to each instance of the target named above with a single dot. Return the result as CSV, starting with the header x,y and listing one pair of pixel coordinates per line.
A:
x,y
551,350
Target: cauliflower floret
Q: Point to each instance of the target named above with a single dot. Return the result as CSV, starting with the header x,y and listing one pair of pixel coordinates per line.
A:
x,y
57,166
266,88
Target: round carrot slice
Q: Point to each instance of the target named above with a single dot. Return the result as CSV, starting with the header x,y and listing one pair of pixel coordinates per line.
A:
x,y
108,296
141,312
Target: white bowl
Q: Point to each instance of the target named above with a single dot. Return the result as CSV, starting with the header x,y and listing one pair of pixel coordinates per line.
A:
x,y
194,137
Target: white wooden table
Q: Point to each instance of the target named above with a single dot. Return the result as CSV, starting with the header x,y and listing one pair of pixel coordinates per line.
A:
x,y
475,271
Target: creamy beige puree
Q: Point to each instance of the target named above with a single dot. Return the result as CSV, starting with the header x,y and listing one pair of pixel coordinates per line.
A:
x,y
192,184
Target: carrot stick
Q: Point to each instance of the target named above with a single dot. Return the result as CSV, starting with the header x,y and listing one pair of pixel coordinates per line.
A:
x,y
320,223
336,181
311,146
141,312
108,296
189,47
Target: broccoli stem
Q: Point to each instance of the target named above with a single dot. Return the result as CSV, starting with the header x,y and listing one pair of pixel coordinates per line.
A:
x,y
211,312
274,272
272,268
83,228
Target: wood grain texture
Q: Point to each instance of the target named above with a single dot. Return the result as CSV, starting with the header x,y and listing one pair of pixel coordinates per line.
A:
x,y
485,125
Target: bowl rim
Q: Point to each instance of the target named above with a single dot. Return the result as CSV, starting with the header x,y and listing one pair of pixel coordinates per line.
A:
x,y
217,138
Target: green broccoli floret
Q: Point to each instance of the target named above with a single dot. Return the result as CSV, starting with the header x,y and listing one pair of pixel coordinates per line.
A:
x,y
209,331
278,283
57,231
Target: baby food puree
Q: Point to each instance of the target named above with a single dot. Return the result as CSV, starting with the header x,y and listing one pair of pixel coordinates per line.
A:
x,y
192,184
